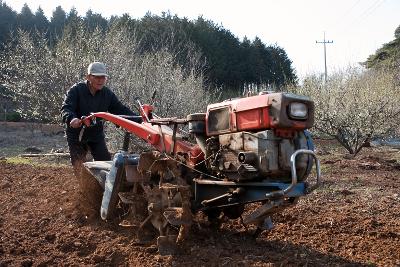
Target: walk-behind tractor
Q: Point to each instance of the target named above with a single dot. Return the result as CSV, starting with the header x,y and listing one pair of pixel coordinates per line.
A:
x,y
242,151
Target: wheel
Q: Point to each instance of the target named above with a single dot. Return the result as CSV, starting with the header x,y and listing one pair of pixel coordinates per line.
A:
x,y
233,212
213,215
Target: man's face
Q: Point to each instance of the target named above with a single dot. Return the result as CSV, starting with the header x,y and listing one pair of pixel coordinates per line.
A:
x,y
97,82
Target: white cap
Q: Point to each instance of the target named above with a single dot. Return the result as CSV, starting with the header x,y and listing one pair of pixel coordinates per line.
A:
x,y
97,69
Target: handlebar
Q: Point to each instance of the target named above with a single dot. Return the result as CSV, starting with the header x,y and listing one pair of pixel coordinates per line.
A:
x,y
88,121
284,192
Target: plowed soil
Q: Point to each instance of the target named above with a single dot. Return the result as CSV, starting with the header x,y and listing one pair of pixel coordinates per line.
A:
x,y
353,219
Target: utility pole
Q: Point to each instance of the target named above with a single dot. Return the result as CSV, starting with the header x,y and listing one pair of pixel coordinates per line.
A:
x,y
325,42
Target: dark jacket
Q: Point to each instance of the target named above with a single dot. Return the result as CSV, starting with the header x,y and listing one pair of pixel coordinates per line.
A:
x,y
80,102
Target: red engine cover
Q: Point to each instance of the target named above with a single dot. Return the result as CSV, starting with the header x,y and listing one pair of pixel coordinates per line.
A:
x,y
267,111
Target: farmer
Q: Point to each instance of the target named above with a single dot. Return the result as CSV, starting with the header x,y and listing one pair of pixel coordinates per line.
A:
x,y
82,99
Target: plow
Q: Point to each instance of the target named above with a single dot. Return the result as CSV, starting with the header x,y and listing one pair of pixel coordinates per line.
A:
x,y
239,152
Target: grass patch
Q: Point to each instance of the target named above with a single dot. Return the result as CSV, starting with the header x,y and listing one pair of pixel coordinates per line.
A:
x,y
19,160
39,162
11,150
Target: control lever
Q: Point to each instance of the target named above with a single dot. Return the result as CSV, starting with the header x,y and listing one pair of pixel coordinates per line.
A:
x,y
87,121
142,109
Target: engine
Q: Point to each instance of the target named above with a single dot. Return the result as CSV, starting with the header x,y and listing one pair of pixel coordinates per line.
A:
x,y
253,138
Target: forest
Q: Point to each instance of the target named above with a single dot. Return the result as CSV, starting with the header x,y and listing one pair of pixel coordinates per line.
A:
x,y
228,62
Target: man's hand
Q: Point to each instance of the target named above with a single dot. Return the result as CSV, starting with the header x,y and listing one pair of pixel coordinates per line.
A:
x,y
75,123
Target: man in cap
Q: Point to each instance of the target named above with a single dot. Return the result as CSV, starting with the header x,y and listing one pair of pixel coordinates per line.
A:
x,y
82,99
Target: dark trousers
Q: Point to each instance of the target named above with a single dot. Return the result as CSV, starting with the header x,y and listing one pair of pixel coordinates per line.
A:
x,y
91,192
78,151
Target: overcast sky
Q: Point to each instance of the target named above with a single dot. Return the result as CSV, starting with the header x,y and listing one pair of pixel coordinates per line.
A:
x,y
356,27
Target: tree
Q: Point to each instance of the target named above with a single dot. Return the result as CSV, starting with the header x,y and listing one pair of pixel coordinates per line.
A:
x,y
259,60
397,32
93,21
8,19
282,72
220,51
41,22
57,23
73,24
354,106
26,19
386,56
72,17
244,64
30,76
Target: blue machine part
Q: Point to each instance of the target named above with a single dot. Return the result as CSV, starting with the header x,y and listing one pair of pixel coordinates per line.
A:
x,y
112,185
254,191
310,143
132,159
310,146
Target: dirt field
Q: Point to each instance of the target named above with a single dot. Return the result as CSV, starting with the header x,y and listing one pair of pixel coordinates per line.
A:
x,y
353,219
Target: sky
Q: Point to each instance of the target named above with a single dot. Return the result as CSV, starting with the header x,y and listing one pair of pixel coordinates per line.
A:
x,y
356,27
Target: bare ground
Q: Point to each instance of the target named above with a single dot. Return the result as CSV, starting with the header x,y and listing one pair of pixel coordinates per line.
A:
x,y
353,219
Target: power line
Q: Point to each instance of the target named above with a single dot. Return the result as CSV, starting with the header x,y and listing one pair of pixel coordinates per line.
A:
x,y
325,42
341,23
372,8
367,12
349,10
